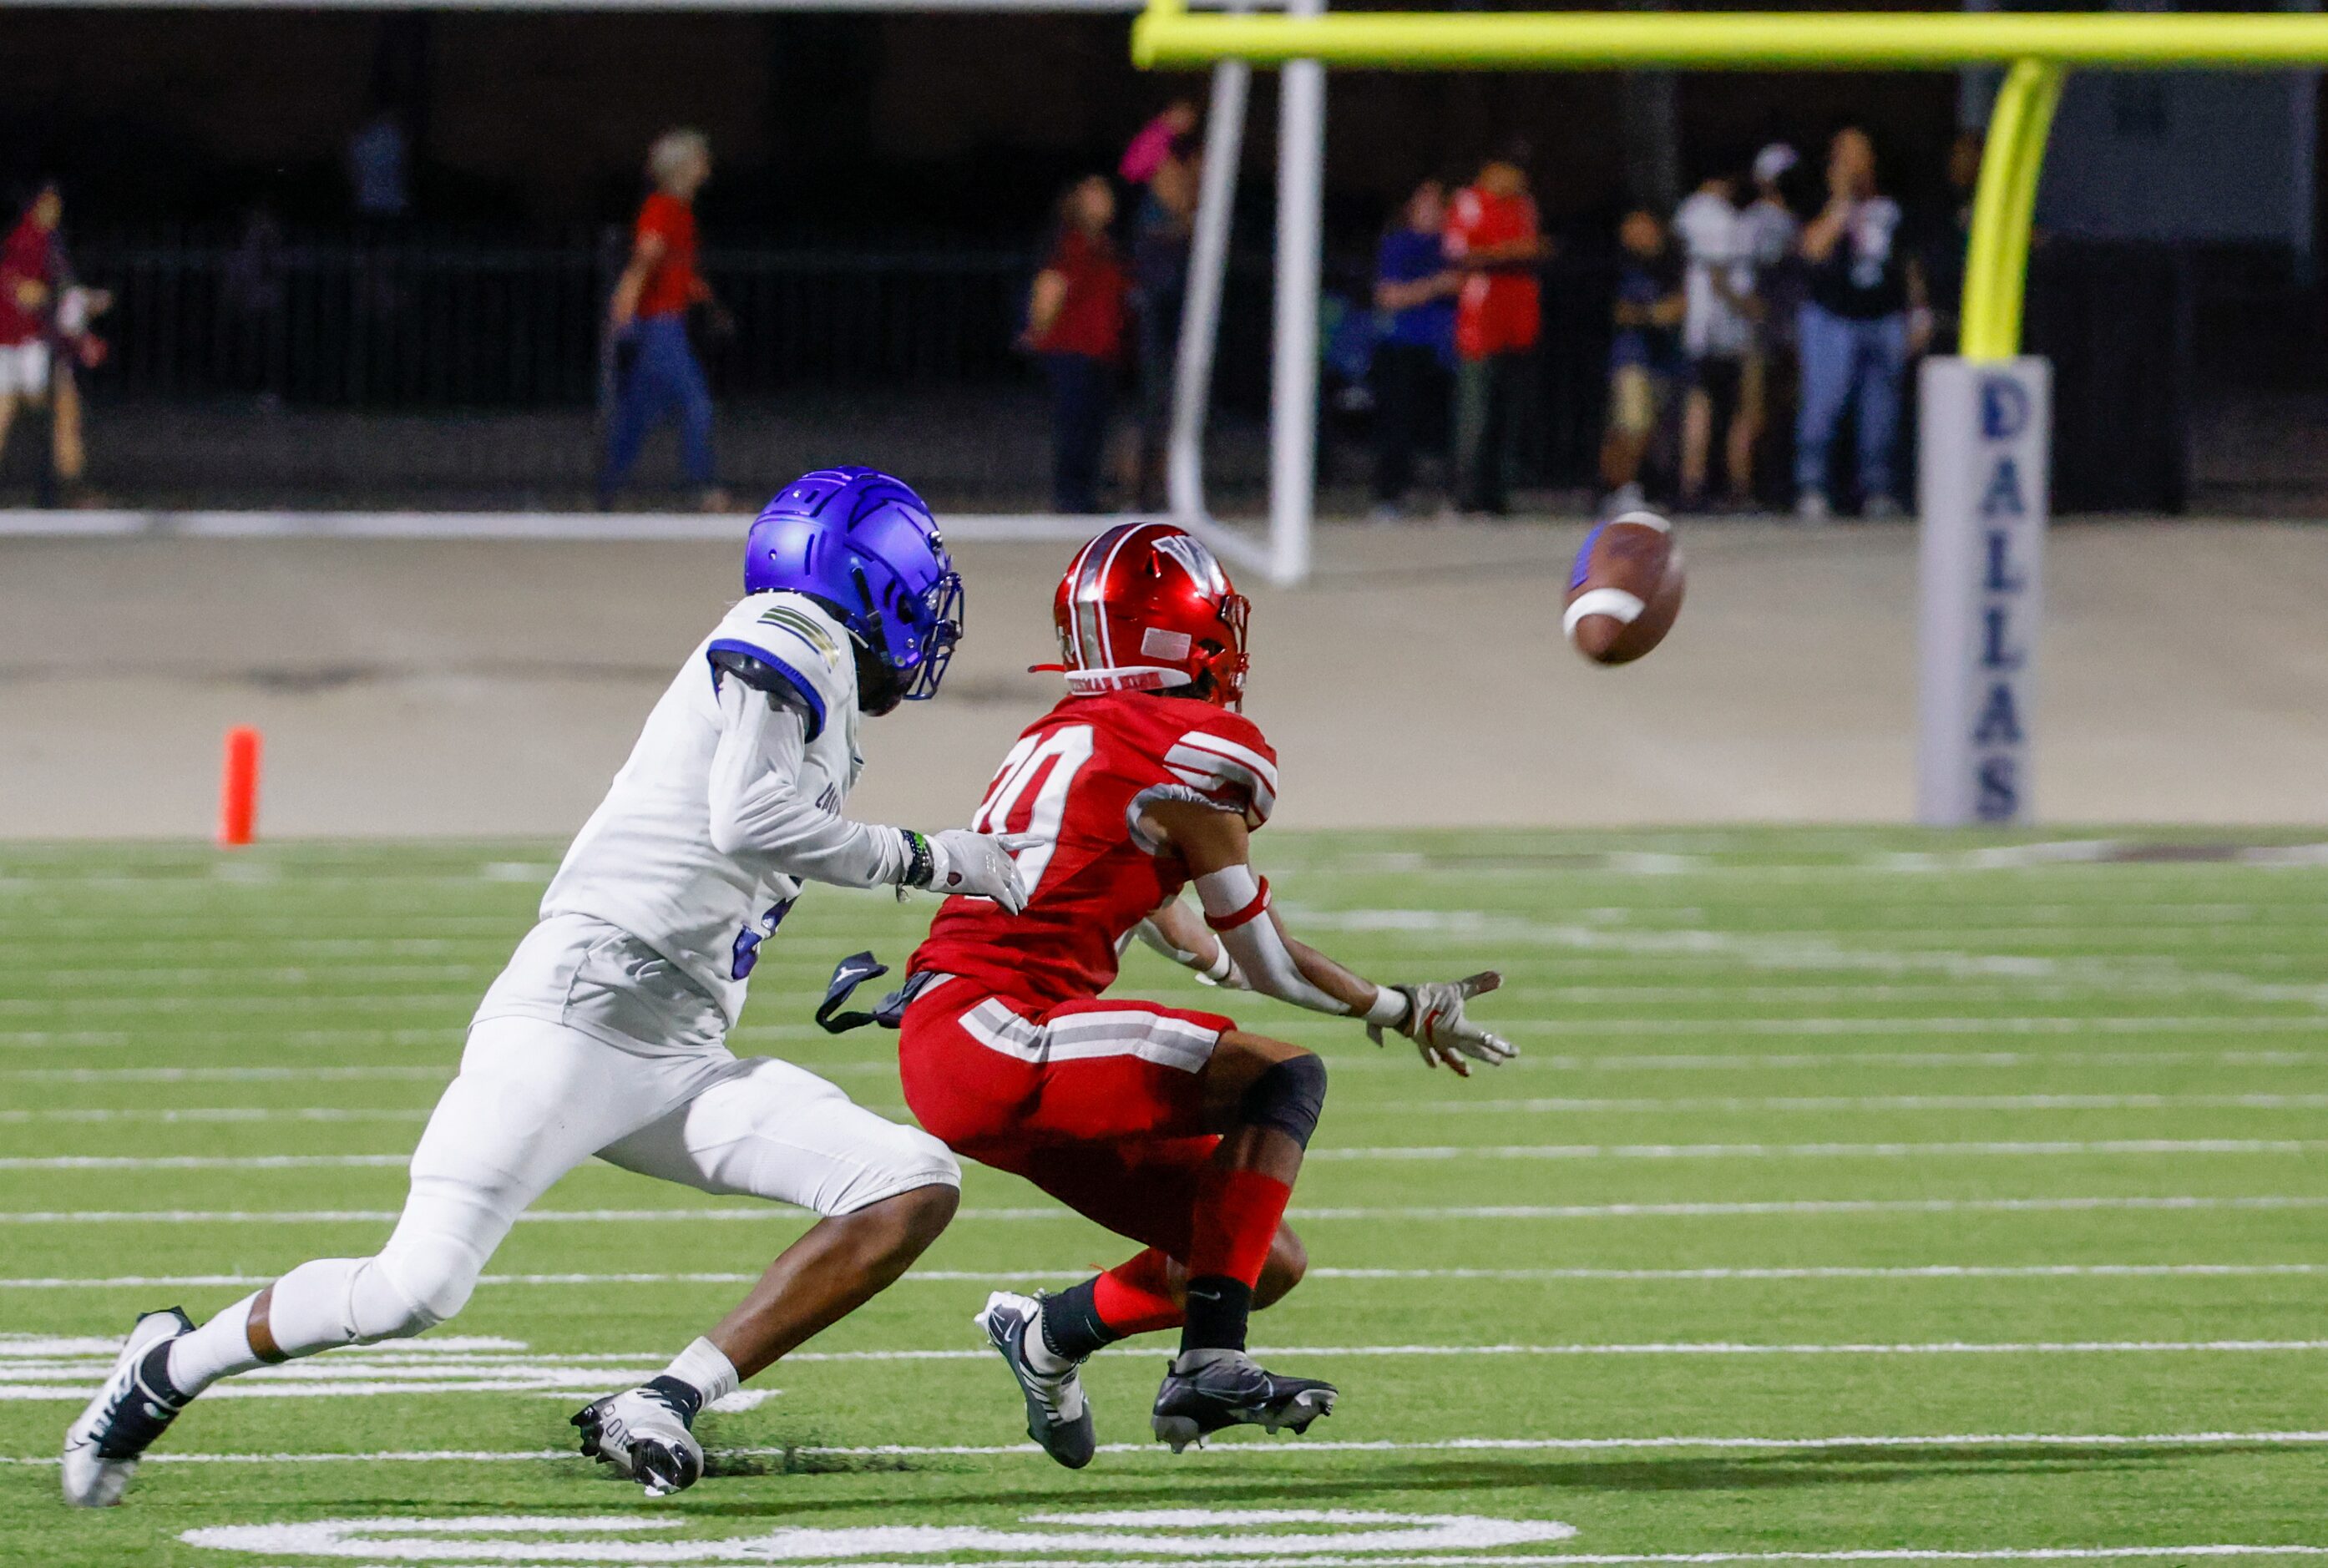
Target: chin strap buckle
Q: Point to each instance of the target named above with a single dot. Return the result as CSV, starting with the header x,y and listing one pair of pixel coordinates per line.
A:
x,y
854,970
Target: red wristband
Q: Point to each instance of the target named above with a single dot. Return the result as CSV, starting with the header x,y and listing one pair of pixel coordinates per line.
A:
x,y
1230,921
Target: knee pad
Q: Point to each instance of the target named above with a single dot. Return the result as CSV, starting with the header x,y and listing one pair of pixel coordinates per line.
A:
x,y
1288,1096
415,1284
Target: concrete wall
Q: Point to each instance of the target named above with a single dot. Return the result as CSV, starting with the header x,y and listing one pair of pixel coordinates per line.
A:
x,y
492,688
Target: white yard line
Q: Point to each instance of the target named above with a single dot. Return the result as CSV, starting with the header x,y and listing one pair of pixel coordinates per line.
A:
x,y
1732,1061
212,1113
1667,1210
1820,1104
1395,1152
1295,1447
1968,1150
1825,1104
1930,1272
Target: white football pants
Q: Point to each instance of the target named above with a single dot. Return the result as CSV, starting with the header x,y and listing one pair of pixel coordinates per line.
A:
x,y
533,1100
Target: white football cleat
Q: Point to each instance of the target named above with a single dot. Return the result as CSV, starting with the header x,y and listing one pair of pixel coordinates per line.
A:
x,y
1058,1416
115,1429
645,1436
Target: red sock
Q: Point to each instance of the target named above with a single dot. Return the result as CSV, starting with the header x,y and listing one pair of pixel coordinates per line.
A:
x,y
1237,1215
1136,1297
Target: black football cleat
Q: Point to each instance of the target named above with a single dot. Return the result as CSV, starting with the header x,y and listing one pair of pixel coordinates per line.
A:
x,y
645,1435
1206,1390
1058,1416
102,1447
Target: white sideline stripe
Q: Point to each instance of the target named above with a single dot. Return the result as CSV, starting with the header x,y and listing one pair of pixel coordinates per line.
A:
x,y
1320,1446
1824,1150
2132,1145
1669,1210
1005,1276
651,526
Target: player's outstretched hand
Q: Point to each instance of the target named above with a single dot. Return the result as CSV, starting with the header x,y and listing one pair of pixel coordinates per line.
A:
x,y
1436,1024
969,865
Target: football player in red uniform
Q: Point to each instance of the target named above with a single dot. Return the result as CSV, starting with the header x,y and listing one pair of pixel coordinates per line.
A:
x,y
1171,1127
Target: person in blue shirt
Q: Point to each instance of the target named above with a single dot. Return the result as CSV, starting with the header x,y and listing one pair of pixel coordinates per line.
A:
x,y
1414,314
1645,356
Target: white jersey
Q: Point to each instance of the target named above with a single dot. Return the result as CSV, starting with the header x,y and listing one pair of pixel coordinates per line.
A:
x,y
692,858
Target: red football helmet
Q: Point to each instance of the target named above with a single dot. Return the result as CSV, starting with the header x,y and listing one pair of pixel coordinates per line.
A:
x,y
1145,607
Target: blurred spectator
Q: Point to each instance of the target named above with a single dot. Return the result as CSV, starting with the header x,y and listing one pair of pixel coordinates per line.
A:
x,y
1853,331
1771,231
1644,355
1493,237
1075,321
1718,336
1415,302
1947,240
1160,237
45,316
379,160
1153,144
28,279
648,316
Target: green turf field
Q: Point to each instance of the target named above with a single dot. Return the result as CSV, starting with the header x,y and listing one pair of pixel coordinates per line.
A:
x,y
1858,1193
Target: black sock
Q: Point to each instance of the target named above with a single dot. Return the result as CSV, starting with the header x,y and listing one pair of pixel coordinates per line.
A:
x,y
154,1372
1071,1324
686,1396
1218,1307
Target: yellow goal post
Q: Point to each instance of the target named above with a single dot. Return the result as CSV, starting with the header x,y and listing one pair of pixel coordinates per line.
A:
x,y
1984,447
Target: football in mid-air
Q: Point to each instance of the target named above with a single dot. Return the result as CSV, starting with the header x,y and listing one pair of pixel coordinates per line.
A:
x,y
1626,588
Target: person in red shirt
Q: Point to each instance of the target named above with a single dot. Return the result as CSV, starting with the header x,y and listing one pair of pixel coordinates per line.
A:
x,y
648,314
1076,321
1493,237
28,284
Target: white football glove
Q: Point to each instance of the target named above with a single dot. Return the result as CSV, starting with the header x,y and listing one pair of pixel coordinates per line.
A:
x,y
967,865
1436,1024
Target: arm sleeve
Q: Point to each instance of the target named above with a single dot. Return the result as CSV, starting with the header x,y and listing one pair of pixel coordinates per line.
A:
x,y
759,813
1236,906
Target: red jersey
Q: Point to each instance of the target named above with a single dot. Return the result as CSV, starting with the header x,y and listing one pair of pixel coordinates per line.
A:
x,y
1093,314
1080,777
1497,311
673,285
27,256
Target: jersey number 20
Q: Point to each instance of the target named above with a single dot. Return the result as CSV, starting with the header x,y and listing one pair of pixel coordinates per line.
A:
x,y
1053,759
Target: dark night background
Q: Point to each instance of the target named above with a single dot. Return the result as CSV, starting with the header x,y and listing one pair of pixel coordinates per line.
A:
x,y
832,126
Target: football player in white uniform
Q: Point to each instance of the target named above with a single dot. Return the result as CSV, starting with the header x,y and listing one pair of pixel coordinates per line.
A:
x,y
607,1033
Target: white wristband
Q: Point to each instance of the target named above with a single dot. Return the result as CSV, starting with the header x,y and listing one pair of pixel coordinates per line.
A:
x,y
1391,1009
1222,966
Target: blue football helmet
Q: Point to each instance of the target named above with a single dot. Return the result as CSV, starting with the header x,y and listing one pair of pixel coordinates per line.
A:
x,y
865,546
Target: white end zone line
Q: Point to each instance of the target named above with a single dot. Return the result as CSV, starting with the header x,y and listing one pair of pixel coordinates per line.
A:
x,y
1930,1272
1297,1446
1676,1210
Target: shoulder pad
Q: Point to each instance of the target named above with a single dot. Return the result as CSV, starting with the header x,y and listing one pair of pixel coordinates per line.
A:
x,y
783,645
1230,764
